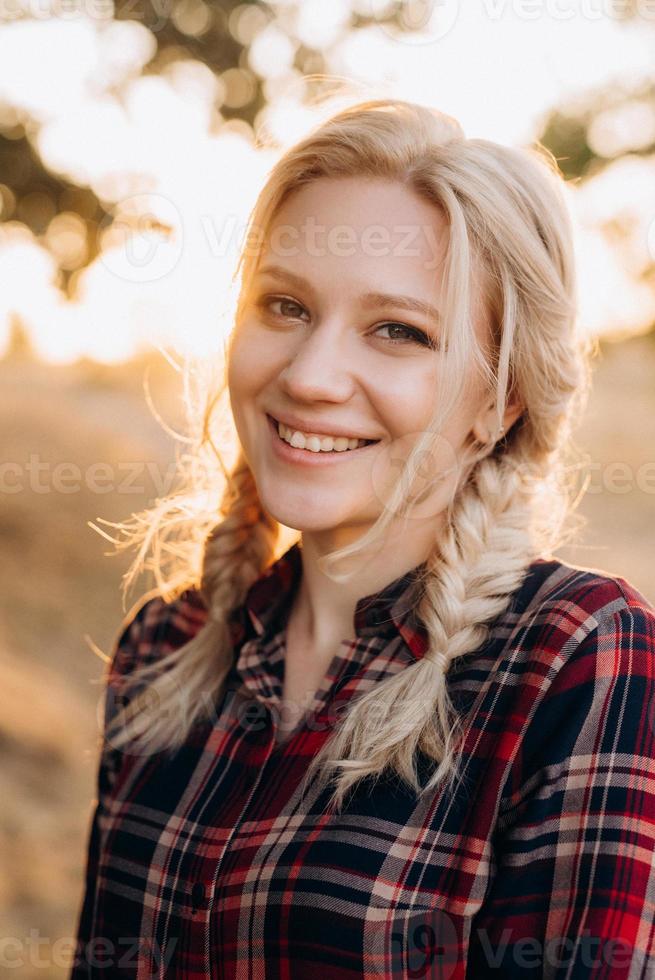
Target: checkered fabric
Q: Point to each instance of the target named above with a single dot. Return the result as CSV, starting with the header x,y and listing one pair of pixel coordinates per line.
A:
x,y
205,863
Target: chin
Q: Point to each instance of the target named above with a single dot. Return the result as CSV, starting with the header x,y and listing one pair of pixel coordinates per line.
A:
x,y
302,515
310,508
305,523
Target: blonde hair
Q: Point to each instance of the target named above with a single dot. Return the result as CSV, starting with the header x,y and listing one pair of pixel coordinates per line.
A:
x,y
506,214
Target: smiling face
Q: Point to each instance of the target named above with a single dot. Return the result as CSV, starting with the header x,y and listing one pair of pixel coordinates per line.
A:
x,y
319,346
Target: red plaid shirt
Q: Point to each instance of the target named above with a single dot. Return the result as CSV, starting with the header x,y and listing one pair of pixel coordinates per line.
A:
x,y
204,864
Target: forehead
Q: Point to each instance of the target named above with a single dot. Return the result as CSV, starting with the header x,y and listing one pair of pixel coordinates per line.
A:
x,y
382,221
368,233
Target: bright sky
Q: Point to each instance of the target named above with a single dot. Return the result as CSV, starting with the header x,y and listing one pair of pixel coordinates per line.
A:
x,y
497,65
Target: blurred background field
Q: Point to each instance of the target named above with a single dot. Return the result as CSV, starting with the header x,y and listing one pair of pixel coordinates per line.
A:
x,y
128,165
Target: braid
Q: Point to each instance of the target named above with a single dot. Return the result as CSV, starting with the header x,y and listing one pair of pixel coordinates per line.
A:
x,y
473,572
239,548
469,579
185,683
506,211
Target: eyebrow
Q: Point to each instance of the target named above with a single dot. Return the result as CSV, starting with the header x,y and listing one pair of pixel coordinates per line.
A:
x,y
369,300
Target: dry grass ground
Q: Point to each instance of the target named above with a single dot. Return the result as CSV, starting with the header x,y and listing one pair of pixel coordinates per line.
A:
x,y
57,585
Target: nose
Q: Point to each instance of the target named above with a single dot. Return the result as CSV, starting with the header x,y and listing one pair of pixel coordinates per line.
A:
x,y
321,365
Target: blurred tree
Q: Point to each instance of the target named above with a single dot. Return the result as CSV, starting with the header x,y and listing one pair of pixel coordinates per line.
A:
x,y
609,124
33,195
225,37
221,37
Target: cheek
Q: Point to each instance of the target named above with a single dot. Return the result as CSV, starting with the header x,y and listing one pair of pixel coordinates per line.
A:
x,y
240,383
245,369
253,359
406,396
408,401
238,357
409,409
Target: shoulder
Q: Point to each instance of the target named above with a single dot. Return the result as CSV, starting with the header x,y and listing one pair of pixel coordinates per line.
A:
x,y
583,647
550,581
153,627
578,673
571,638
560,605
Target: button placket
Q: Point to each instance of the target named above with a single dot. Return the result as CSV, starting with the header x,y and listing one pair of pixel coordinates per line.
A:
x,y
251,781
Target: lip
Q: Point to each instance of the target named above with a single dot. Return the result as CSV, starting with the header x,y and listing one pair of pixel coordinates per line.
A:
x,y
306,457
302,426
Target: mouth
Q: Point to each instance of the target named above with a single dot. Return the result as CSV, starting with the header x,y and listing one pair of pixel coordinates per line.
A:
x,y
313,455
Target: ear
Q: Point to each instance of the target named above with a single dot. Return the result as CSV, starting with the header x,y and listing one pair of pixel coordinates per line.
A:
x,y
485,425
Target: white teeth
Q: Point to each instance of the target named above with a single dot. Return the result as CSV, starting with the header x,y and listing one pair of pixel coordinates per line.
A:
x,y
317,444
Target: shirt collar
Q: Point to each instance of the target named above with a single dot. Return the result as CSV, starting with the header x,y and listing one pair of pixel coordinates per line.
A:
x,y
388,612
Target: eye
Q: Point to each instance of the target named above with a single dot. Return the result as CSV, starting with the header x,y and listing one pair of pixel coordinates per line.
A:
x,y
266,302
416,336
413,334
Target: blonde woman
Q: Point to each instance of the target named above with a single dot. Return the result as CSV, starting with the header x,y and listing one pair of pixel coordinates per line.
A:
x,y
413,743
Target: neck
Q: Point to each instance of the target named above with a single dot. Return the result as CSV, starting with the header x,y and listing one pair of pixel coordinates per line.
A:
x,y
323,610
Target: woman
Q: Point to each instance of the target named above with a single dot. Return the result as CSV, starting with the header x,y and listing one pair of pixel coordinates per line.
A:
x,y
414,743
